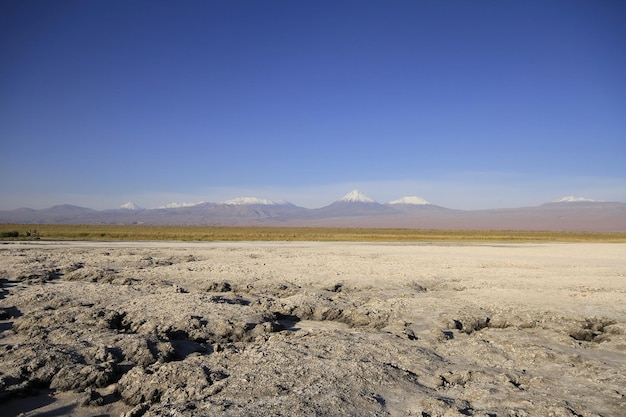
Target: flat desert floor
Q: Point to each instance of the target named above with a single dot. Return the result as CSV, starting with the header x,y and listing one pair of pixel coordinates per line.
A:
x,y
312,329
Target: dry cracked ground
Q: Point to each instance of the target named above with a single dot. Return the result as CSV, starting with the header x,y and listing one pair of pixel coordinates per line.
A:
x,y
312,329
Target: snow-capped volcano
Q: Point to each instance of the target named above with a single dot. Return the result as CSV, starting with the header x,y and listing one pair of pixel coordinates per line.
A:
x,y
355,196
572,199
130,206
414,200
247,201
355,203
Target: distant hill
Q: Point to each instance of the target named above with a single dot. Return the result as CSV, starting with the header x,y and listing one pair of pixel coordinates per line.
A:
x,y
355,209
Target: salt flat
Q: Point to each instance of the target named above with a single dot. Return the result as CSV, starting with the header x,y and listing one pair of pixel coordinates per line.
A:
x,y
312,328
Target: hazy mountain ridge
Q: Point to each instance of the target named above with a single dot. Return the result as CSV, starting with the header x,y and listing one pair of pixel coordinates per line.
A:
x,y
355,209
412,200
249,201
572,199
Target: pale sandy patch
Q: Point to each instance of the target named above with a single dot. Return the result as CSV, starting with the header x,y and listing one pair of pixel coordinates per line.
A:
x,y
310,328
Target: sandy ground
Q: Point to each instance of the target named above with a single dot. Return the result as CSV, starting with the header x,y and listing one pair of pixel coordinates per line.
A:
x,y
312,329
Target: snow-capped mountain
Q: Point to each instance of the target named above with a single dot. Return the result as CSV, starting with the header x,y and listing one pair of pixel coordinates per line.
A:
x,y
248,201
130,206
355,203
355,209
414,204
572,199
180,205
414,200
355,196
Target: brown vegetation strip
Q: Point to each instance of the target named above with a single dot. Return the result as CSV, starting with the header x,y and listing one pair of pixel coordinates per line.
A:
x,y
232,233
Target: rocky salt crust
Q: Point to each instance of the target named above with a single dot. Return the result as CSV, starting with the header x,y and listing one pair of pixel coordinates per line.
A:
x,y
312,329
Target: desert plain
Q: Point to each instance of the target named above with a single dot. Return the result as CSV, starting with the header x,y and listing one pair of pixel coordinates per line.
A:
x,y
312,329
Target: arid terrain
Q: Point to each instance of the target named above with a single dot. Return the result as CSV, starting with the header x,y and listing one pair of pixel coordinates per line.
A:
x,y
312,329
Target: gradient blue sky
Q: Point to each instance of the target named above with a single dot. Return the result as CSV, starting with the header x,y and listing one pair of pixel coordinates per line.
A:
x,y
469,104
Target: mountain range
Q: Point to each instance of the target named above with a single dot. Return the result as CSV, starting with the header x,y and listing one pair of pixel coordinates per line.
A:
x,y
355,209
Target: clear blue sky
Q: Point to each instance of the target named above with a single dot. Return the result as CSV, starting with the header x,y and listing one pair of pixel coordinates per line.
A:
x,y
469,104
